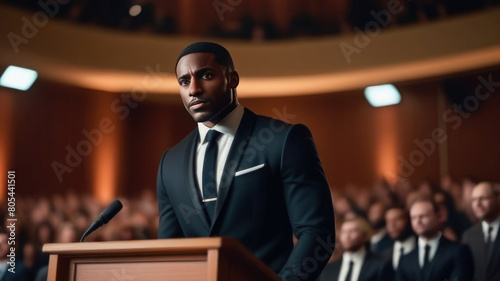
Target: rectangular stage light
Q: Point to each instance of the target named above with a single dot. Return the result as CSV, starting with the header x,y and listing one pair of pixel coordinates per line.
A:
x,y
382,95
18,78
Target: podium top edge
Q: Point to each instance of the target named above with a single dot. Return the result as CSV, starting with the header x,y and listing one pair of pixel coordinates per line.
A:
x,y
191,245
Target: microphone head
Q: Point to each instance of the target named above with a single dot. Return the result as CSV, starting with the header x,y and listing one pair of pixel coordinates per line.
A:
x,y
111,211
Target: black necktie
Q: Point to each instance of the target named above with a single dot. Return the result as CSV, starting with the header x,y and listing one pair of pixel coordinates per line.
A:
x,y
208,179
426,257
488,244
349,272
401,253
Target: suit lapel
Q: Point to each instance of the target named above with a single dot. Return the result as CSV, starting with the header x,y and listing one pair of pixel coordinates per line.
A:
x,y
414,261
190,177
365,266
440,252
337,267
240,142
495,255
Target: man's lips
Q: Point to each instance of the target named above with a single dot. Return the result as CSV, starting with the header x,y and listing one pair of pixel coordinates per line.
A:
x,y
196,104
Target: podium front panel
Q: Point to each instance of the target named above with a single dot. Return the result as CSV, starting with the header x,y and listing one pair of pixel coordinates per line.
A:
x,y
147,268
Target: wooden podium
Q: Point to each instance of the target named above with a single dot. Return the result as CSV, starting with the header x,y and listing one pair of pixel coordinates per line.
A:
x,y
186,259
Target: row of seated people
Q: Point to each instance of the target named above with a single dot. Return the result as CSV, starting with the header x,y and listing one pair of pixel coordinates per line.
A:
x,y
63,218
413,244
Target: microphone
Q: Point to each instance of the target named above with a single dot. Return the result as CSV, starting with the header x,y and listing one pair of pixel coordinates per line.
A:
x,y
104,217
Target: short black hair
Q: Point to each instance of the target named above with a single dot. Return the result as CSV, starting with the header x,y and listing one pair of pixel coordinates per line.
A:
x,y
222,55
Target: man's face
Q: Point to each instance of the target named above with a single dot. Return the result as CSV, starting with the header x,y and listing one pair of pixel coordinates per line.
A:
x,y
351,236
205,87
484,204
424,220
376,216
396,222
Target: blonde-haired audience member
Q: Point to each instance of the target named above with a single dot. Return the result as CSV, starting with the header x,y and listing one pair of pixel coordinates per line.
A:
x,y
357,262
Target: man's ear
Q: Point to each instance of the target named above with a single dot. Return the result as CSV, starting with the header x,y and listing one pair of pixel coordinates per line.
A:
x,y
234,79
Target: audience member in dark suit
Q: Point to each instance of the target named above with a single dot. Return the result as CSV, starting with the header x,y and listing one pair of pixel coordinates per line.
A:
x,y
250,177
357,262
380,240
397,223
435,258
483,238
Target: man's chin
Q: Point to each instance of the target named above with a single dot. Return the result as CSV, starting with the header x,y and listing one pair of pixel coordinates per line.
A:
x,y
200,116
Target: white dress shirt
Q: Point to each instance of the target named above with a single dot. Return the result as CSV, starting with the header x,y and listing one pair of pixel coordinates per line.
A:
x,y
357,258
3,267
494,225
378,236
408,245
433,243
228,127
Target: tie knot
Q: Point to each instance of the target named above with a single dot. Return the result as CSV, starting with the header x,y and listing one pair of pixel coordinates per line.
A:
x,y
212,135
490,230
427,247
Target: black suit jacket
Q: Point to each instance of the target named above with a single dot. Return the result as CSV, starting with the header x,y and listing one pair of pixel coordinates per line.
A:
x,y
385,243
373,269
451,262
387,256
272,185
483,270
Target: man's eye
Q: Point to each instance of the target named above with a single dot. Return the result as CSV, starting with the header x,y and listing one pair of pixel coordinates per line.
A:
x,y
207,76
183,82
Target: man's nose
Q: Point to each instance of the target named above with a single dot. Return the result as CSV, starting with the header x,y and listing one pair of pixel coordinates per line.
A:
x,y
195,88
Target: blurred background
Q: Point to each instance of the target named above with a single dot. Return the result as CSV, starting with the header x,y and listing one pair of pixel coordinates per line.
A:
x,y
105,104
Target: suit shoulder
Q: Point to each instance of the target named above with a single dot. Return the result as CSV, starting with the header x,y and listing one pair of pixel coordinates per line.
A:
x,y
331,271
445,242
472,231
374,258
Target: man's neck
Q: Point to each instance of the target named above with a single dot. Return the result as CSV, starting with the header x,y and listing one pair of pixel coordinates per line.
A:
x,y
220,116
428,238
492,219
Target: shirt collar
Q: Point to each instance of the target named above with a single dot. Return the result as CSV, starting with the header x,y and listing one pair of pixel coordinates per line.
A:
x,y
434,242
494,224
379,236
356,257
227,126
408,244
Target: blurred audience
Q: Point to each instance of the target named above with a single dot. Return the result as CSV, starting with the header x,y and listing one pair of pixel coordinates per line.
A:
x,y
384,208
454,207
62,219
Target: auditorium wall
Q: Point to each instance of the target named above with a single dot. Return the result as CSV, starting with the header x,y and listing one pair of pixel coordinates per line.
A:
x,y
59,138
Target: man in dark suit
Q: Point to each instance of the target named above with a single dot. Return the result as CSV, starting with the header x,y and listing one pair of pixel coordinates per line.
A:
x,y
265,183
380,240
399,229
358,263
435,257
483,238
